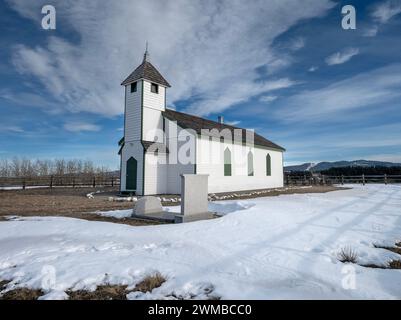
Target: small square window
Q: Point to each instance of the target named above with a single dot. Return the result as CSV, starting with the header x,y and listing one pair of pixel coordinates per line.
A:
x,y
133,87
154,88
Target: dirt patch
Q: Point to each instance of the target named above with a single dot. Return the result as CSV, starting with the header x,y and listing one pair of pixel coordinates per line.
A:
x,y
251,194
72,202
66,202
56,201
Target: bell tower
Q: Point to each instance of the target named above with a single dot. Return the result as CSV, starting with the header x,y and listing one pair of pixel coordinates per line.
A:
x,y
145,100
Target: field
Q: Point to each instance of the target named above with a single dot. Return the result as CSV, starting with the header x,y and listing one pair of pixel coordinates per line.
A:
x,y
73,202
291,246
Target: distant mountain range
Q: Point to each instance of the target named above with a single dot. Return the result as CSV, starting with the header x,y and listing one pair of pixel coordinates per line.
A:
x,y
316,167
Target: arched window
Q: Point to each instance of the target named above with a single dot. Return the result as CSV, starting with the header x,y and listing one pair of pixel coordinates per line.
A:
x,y
227,162
268,165
250,163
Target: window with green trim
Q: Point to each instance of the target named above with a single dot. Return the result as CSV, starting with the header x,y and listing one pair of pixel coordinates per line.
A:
x,y
250,164
227,162
268,165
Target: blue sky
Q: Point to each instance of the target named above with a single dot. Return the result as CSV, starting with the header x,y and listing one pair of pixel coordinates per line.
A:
x,y
284,68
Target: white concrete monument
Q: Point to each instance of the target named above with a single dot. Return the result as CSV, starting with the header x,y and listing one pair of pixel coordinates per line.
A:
x,y
147,206
194,199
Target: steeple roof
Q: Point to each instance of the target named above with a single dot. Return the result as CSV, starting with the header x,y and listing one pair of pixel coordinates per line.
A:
x,y
146,71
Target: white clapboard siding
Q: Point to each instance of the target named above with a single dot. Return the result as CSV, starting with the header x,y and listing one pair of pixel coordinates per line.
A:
x,y
153,100
133,113
155,173
152,125
210,160
177,168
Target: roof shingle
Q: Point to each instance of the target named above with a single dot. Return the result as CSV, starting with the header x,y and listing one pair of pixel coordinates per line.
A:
x,y
146,71
187,121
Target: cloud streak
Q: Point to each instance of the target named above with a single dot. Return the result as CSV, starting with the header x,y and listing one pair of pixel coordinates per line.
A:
x,y
208,50
81,127
337,100
384,11
341,57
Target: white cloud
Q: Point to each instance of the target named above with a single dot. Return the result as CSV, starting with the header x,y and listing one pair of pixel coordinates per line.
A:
x,y
341,57
209,52
313,69
81,126
268,98
337,100
240,92
384,11
233,123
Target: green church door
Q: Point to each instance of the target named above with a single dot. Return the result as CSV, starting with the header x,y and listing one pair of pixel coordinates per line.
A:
x,y
131,174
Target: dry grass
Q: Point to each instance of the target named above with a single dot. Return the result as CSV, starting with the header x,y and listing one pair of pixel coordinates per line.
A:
x,y
118,292
150,282
106,292
395,264
22,294
3,284
348,254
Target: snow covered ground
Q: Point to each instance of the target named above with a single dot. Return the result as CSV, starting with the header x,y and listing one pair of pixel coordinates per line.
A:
x,y
265,248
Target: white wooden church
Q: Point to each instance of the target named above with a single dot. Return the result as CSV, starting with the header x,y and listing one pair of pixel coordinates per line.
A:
x,y
160,144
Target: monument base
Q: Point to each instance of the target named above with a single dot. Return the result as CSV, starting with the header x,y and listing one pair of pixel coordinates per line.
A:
x,y
180,218
168,217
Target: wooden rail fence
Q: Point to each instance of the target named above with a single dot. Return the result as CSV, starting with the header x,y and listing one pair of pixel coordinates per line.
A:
x,y
290,180
112,181
59,181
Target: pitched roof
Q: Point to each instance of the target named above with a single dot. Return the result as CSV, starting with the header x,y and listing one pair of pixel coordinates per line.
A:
x,y
146,71
187,121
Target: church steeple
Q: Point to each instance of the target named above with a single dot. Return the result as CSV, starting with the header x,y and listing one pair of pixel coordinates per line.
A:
x,y
146,55
146,71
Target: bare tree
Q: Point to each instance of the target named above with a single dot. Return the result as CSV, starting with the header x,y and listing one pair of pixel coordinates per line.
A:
x,y
5,169
59,167
25,167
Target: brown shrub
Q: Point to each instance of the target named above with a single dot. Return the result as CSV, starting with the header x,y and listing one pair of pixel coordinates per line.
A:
x,y
348,254
150,282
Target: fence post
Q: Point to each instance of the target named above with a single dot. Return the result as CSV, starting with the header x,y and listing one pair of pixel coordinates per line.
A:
x,y
385,178
73,182
51,182
342,179
23,184
324,179
363,179
94,181
112,181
